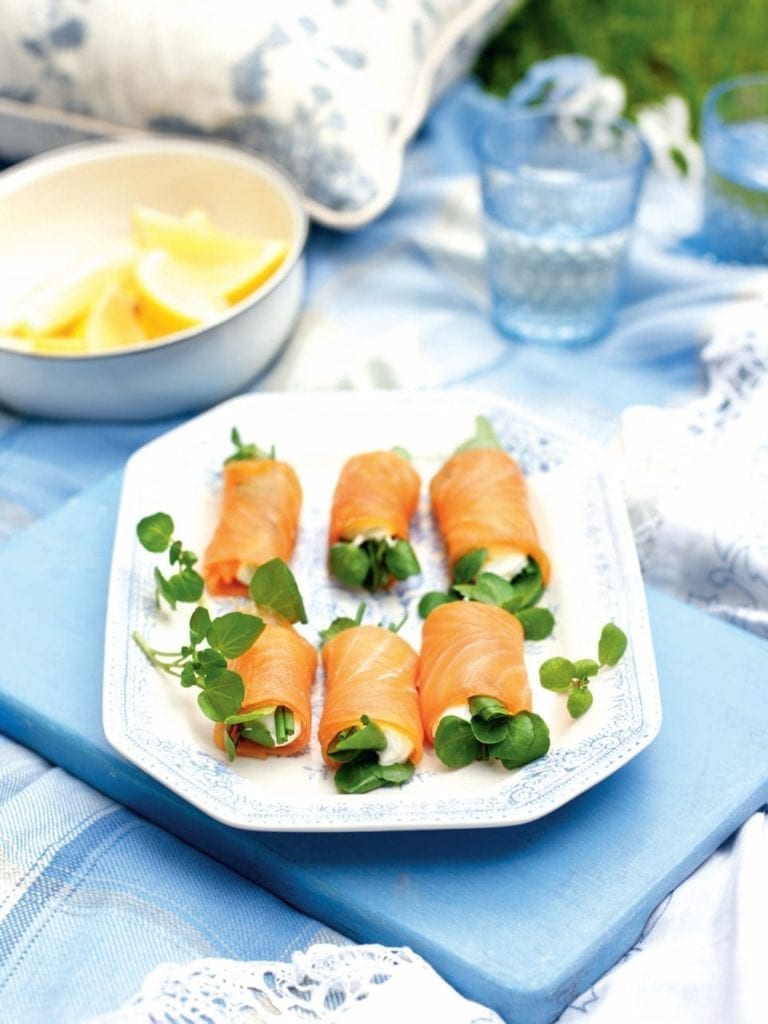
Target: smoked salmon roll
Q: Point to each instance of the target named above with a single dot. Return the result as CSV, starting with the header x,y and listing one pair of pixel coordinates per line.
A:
x,y
474,693
480,501
370,728
278,671
258,519
373,503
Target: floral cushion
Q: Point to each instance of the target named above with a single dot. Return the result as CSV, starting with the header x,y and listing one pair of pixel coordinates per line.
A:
x,y
331,89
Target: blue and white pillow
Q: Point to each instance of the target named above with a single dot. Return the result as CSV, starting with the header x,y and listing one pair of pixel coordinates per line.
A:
x,y
331,89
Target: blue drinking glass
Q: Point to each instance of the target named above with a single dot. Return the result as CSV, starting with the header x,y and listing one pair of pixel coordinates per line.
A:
x,y
560,194
735,140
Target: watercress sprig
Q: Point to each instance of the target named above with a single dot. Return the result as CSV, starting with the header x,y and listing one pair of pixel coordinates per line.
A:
x,y
484,437
202,662
341,623
517,596
574,677
373,563
491,733
357,751
247,451
155,533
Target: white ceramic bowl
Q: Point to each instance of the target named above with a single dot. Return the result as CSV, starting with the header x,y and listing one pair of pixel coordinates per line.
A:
x,y
56,209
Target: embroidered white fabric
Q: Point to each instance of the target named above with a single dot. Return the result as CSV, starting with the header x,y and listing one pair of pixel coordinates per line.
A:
x,y
367,984
696,477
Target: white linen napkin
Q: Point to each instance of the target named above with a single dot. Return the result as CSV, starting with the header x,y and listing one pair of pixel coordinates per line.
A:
x,y
700,958
696,477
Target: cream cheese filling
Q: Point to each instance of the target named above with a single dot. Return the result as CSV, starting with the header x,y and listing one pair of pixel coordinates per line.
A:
x,y
398,749
507,566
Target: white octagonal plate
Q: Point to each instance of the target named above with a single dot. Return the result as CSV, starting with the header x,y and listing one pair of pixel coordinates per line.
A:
x,y
583,524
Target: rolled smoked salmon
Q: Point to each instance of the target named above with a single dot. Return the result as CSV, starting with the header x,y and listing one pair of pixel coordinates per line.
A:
x,y
371,672
480,499
258,520
278,672
373,503
473,687
468,650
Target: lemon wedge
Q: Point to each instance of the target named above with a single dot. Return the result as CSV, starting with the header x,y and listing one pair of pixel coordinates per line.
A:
x,y
114,319
54,307
59,344
173,273
235,264
173,294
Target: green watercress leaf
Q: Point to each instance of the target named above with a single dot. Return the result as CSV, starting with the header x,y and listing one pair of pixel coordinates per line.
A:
x,y
401,560
223,694
467,568
486,707
365,776
349,743
489,730
250,726
527,587
341,623
155,531
612,644
579,701
483,437
537,623
209,659
349,564
527,740
584,668
257,732
556,674
246,451
274,585
488,589
433,599
187,585
455,743
233,633
164,588
199,623
189,676
246,726
402,452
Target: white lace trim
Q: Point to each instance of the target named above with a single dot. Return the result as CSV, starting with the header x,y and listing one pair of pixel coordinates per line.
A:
x,y
323,985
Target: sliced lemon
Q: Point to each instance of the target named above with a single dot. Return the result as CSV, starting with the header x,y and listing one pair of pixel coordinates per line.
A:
x,y
54,307
59,344
114,319
237,264
14,341
173,294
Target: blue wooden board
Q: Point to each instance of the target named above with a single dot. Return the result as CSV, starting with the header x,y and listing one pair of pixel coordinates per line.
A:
x,y
522,919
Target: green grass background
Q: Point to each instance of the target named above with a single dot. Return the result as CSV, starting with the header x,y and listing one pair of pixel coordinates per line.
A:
x,y
656,47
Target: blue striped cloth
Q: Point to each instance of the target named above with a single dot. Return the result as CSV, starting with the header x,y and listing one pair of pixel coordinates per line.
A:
x,y
93,897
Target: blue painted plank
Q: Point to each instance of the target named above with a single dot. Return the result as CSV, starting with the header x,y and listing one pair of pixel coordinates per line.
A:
x,y
522,919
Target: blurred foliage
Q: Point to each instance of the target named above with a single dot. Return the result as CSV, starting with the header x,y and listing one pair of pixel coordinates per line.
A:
x,y
656,47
